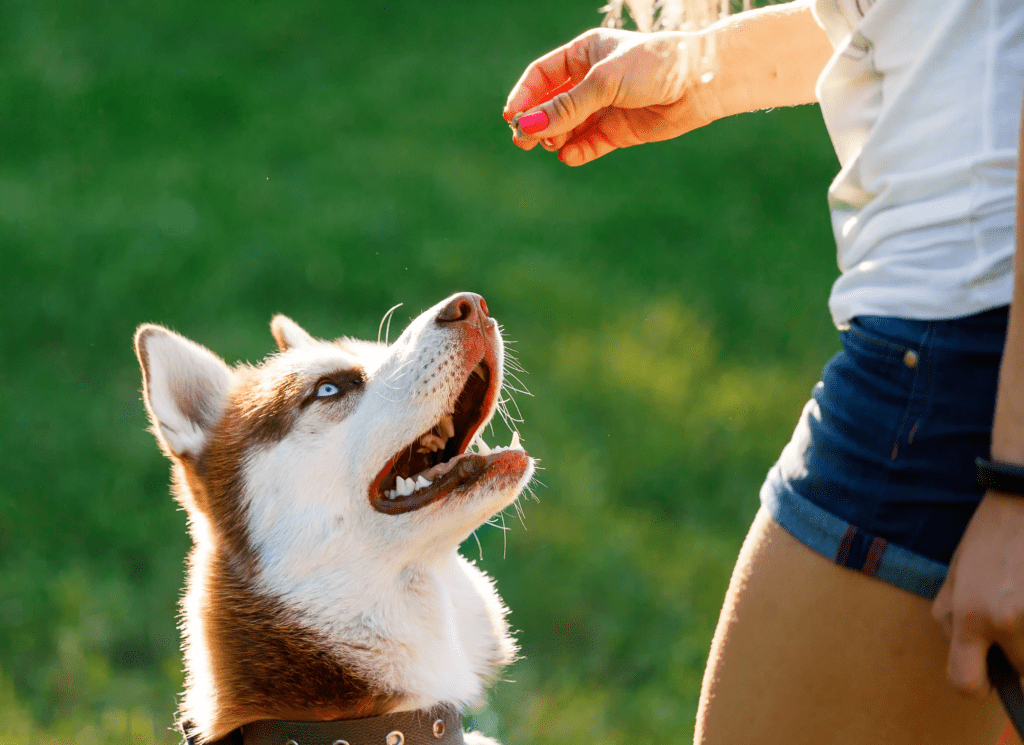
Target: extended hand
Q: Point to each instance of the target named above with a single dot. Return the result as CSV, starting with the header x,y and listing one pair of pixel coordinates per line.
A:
x,y
624,88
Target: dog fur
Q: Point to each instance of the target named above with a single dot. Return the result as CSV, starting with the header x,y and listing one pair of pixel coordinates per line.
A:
x,y
315,591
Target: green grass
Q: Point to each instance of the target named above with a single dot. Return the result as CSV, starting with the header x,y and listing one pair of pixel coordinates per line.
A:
x,y
207,165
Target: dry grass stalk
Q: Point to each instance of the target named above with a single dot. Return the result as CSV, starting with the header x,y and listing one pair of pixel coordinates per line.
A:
x,y
678,15
671,15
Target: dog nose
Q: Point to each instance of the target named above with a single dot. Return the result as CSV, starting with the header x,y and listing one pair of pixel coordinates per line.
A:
x,y
466,307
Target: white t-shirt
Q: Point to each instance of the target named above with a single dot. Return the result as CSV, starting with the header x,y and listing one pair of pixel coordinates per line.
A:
x,y
922,100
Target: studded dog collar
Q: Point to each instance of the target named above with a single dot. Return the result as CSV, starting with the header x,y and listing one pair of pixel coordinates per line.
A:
x,y
439,726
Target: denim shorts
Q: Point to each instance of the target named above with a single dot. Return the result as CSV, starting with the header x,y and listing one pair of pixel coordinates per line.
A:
x,y
879,474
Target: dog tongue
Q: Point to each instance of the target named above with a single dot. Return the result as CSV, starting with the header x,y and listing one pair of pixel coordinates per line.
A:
x,y
439,470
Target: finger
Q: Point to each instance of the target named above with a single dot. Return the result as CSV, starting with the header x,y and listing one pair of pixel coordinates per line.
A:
x,y
568,111
966,669
548,76
554,144
581,152
600,136
524,143
508,114
1008,613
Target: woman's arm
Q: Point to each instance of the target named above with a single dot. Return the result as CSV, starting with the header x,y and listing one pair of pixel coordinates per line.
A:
x,y
769,57
1008,427
628,88
982,600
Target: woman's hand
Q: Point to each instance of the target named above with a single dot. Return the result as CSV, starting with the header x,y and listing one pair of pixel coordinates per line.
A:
x,y
609,89
624,88
982,600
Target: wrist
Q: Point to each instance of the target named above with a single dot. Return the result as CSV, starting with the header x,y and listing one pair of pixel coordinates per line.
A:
x,y
712,94
720,77
1006,478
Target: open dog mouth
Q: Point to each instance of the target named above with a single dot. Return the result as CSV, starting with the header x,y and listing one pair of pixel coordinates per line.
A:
x,y
437,462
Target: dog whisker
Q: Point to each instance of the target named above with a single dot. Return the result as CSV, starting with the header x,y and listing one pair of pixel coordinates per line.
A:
x,y
522,515
518,380
400,368
515,389
508,413
387,317
394,387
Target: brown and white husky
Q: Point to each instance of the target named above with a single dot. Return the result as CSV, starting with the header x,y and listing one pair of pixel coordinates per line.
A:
x,y
328,489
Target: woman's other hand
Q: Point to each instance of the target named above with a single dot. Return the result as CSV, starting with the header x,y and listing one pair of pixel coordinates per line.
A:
x,y
982,600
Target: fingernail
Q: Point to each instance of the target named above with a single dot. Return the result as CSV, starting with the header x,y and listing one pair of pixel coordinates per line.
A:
x,y
533,123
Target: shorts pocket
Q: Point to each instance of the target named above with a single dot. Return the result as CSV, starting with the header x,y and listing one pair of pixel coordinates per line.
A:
x,y
889,347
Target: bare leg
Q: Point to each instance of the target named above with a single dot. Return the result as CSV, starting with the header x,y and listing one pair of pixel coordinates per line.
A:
x,y
809,652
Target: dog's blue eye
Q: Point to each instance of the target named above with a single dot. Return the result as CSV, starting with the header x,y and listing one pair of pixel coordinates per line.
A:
x,y
327,389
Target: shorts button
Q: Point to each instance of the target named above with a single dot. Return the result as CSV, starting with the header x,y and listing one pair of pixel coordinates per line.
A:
x,y
910,359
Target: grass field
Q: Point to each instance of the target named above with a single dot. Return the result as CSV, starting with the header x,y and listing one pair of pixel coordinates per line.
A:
x,y
206,165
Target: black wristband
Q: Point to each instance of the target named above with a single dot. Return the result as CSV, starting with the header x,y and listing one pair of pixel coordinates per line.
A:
x,y
1003,477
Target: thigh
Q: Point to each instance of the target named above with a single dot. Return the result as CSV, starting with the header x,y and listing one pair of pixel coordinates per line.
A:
x,y
810,652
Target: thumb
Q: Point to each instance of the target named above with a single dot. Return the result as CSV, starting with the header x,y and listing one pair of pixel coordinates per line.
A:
x,y
567,111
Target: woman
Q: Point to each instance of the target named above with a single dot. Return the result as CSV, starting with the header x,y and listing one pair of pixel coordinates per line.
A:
x,y
872,527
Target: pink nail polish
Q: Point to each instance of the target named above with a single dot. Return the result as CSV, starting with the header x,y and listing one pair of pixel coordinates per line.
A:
x,y
534,123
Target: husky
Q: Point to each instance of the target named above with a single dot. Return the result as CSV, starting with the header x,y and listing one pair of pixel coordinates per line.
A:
x,y
327,491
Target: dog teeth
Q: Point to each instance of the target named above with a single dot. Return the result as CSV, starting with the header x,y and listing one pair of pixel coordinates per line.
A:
x,y
433,442
514,445
446,426
481,446
404,487
479,371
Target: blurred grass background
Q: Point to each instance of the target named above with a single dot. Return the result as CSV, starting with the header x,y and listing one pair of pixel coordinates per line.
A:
x,y
206,165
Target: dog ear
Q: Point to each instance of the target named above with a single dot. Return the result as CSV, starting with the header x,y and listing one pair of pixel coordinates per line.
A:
x,y
185,386
289,334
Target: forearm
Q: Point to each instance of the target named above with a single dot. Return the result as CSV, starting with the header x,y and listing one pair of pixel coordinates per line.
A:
x,y
1008,427
768,57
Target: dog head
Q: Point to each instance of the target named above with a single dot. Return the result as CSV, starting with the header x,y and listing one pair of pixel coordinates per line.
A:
x,y
330,486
